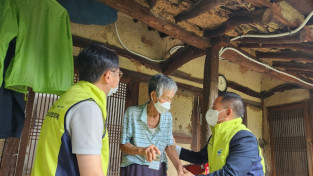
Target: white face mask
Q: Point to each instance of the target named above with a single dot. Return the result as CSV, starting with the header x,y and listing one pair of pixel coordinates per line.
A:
x,y
113,90
212,116
162,107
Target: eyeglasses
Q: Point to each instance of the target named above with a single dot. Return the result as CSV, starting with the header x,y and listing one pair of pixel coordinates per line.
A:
x,y
120,73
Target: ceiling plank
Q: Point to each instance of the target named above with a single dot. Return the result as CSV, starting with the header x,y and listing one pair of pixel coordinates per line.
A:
x,y
141,13
197,9
308,67
299,75
84,42
286,56
305,47
239,59
260,16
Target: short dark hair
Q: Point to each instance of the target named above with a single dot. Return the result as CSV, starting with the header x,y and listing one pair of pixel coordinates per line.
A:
x,y
161,82
233,101
94,60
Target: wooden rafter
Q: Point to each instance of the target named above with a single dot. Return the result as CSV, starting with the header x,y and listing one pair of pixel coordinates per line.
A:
x,y
181,57
308,67
299,75
260,16
280,88
286,56
305,47
141,13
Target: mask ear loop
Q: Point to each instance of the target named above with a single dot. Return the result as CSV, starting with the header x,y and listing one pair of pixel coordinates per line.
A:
x,y
224,117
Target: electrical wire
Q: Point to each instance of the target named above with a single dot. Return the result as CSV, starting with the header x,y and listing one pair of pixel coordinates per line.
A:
x,y
118,36
265,65
175,48
276,35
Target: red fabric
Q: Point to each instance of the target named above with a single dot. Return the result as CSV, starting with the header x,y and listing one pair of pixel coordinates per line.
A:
x,y
198,169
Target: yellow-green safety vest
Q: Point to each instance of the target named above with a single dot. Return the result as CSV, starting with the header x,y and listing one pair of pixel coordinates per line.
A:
x,y
221,136
54,151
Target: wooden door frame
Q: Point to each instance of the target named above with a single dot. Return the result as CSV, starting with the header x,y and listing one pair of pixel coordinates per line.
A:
x,y
308,124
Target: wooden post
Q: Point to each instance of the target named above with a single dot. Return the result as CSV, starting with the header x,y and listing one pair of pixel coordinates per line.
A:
x,y
210,91
132,94
9,156
25,133
195,145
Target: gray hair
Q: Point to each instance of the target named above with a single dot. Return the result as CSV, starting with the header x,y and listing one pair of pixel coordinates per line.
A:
x,y
160,83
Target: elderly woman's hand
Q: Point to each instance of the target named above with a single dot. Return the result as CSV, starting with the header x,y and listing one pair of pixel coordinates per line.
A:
x,y
187,173
150,152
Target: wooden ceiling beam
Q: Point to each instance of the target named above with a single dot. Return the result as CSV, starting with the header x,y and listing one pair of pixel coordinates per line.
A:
x,y
295,66
299,37
305,47
197,9
286,56
189,53
241,60
141,13
180,57
280,88
260,16
84,42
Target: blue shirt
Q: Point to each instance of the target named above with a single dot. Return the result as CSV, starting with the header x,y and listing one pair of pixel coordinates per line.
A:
x,y
136,132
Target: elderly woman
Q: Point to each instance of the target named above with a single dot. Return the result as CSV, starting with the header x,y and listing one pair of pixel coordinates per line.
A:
x,y
147,132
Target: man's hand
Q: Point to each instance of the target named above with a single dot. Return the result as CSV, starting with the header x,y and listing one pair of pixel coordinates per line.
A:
x,y
187,173
150,152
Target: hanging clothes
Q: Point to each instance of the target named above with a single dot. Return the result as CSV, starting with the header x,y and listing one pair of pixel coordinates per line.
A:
x,y
43,56
89,12
12,105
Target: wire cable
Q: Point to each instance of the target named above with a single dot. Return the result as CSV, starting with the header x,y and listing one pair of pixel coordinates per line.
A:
x,y
118,36
265,65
